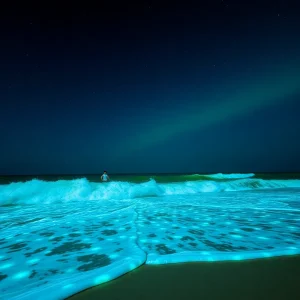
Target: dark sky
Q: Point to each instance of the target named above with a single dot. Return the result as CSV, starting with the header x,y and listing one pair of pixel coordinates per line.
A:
x,y
203,86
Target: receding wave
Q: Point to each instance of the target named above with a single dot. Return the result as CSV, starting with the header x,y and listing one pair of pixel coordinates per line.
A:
x,y
39,191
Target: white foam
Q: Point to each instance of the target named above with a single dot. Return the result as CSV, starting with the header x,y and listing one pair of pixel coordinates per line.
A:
x,y
38,191
229,176
51,251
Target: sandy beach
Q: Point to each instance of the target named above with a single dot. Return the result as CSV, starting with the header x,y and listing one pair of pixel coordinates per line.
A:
x,y
273,278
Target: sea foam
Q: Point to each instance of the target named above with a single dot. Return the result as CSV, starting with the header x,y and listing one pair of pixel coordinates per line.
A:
x,y
38,191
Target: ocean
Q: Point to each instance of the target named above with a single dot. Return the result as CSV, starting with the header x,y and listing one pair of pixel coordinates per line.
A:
x,y
62,234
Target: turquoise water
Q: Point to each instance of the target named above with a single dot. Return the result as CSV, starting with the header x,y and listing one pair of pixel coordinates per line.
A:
x,y
62,234
139,178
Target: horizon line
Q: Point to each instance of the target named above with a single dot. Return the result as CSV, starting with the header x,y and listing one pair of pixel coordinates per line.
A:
x,y
147,173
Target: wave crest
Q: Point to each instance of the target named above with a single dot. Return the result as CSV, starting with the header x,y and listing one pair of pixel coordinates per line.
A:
x,y
39,191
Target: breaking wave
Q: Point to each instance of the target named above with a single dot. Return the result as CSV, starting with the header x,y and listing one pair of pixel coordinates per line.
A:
x,y
39,191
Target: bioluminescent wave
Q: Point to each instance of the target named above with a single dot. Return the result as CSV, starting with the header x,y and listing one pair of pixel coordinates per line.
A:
x,y
39,192
60,237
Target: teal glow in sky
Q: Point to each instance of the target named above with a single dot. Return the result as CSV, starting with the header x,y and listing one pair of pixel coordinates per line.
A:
x,y
230,100
209,87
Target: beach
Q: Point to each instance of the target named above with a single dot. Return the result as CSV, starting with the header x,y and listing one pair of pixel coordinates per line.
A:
x,y
190,236
269,278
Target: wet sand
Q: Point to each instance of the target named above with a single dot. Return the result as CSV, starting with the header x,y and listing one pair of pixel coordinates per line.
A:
x,y
273,278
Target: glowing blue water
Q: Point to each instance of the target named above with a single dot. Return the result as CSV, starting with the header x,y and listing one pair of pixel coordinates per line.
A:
x,y
69,238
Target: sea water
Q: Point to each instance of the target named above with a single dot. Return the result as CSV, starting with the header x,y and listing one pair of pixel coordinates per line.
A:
x,y
59,236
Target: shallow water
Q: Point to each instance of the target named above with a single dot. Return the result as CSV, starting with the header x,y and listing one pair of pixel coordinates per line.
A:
x,y
60,237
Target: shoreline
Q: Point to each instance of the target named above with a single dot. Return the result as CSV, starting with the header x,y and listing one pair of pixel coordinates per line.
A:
x,y
267,278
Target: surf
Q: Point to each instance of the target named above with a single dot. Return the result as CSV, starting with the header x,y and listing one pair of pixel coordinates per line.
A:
x,y
37,191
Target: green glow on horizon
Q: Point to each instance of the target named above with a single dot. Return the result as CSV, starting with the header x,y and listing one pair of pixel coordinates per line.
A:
x,y
269,88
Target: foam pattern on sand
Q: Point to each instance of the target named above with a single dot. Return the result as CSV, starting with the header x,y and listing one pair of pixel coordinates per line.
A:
x,y
207,230
63,251
51,251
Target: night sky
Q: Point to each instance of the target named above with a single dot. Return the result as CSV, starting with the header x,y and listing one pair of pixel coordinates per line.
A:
x,y
154,87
